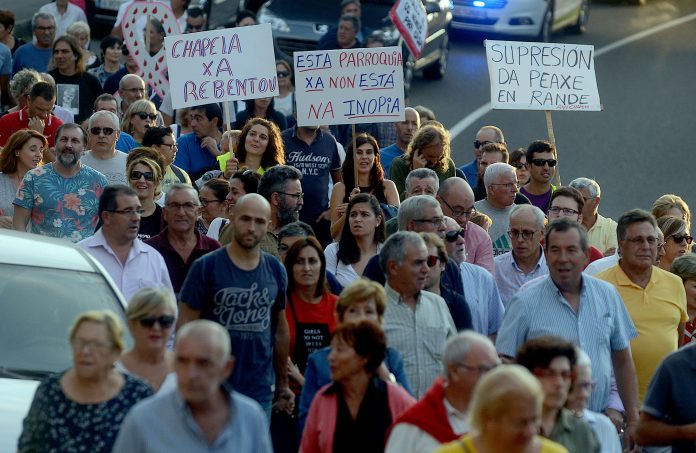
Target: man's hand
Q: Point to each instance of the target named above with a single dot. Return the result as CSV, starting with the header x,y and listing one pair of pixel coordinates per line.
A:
x,y
6,222
285,401
628,438
419,160
37,124
326,215
211,145
616,418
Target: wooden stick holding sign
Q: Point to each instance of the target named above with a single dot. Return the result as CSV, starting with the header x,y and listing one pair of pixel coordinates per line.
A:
x,y
355,158
552,139
228,125
148,27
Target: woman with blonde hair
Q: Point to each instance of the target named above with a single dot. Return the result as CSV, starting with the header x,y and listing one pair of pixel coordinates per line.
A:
x,y
684,267
22,152
429,148
677,240
505,415
81,32
139,116
145,176
151,316
81,409
674,205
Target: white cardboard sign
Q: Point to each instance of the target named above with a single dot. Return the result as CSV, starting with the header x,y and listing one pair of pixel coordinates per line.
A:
x,y
349,86
542,76
221,65
410,19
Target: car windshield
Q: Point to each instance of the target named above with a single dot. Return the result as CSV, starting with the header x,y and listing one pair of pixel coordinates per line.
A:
x,y
38,308
375,13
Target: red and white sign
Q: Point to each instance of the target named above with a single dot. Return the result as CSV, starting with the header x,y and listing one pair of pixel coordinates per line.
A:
x,y
411,20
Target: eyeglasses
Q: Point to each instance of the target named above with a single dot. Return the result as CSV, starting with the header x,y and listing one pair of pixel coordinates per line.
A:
x,y
143,116
282,74
170,146
483,369
432,260
519,165
565,211
526,234
99,130
206,202
639,240
128,212
299,196
188,207
165,321
566,375
49,28
660,245
507,185
452,236
135,175
478,144
540,162
435,221
79,344
679,238
459,212
194,27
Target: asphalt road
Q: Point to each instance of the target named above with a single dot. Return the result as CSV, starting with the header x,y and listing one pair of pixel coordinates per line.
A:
x,y
639,147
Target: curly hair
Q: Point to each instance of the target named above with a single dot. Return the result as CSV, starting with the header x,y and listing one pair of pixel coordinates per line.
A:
x,y
426,135
348,250
275,151
348,168
9,154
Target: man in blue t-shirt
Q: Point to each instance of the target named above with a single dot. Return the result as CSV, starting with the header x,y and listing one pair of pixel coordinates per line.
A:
x,y
243,289
198,151
37,54
485,135
404,133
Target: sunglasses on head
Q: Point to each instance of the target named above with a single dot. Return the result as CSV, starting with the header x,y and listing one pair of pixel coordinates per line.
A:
x,y
432,260
98,130
478,143
143,116
451,236
679,238
135,175
164,321
541,162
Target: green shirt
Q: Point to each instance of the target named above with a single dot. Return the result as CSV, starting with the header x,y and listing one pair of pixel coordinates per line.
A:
x,y
574,433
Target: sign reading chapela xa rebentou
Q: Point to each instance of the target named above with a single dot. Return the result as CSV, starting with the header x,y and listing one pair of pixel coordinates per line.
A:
x,y
542,76
349,86
221,65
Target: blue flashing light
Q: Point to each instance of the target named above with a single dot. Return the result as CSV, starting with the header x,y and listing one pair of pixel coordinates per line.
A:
x,y
479,3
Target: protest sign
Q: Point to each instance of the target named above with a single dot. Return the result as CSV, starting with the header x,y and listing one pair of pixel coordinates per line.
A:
x,y
349,86
151,68
542,76
411,20
221,65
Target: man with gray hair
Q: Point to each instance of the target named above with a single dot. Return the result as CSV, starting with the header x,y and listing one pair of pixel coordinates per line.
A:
x,y
37,53
525,261
202,411
180,243
421,181
501,188
440,416
601,231
103,131
131,88
416,322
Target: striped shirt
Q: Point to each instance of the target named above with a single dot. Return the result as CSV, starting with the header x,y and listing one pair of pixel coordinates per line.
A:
x,y
601,325
481,294
419,336
510,278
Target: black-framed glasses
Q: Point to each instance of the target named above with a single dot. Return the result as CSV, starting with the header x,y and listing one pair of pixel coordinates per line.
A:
x,y
188,207
459,212
99,130
483,369
282,74
435,221
479,143
205,202
565,211
526,234
299,196
452,236
128,212
143,115
679,238
541,162
165,321
135,175
432,260
170,146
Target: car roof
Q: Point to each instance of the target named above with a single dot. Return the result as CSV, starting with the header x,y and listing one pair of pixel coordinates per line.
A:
x,y
28,249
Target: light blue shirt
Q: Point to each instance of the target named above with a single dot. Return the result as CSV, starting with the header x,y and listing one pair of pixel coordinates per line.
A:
x,y
484,301
510,278
601,325
165,423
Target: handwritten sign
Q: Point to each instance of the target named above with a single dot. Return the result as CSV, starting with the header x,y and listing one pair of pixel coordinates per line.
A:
x,y
151,68
221,65
542,76
349,86
411,20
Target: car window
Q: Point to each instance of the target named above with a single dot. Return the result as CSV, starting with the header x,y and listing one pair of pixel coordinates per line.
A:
x,y
38,307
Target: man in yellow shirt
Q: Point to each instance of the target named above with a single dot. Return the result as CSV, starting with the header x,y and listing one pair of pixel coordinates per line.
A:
x,y
654,298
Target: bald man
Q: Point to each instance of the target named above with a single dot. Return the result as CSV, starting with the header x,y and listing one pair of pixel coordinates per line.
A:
x,y
404,133
242,288
225,419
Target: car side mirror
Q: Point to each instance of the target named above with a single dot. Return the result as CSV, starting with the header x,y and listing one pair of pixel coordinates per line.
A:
x,y
432,7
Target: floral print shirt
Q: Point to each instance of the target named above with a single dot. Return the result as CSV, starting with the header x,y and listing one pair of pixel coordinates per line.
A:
x,y
61,207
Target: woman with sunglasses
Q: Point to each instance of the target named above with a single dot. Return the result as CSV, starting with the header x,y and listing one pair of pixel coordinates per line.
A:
x,y
361,239
23,152
370,180
144,170
518,159
241,183
139,116
261,108
284,102
212,197
260,147
677,240
684,267
151,315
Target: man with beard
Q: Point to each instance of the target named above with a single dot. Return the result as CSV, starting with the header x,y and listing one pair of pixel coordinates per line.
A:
x,y
132,264
243,288
42,195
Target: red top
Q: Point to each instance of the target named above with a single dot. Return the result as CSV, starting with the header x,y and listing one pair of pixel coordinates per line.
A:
x,y
15,121
321,313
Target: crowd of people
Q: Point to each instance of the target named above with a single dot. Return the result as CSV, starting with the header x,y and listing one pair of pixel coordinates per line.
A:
x,y
293,288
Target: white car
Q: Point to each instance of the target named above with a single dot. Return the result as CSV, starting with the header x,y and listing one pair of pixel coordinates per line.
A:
x,y
536,19
45,284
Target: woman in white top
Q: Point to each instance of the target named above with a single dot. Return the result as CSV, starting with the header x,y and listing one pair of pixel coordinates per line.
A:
x,y
361,239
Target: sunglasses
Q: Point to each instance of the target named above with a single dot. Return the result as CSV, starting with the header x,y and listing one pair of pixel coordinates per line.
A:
x,y
143,116
282,74
679,238
164,321
519,165
540,162
432,260
452,236
478,144
98,130
135,175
